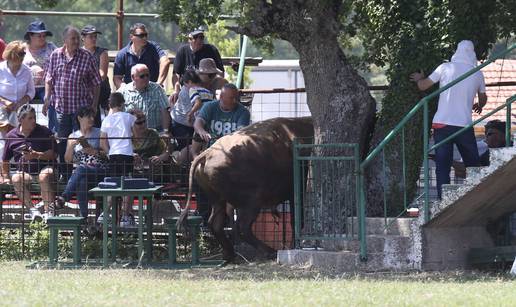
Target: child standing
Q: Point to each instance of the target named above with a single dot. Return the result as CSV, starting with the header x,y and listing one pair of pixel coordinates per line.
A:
x,y
115,139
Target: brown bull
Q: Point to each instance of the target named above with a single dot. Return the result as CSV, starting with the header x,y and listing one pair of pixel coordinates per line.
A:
x,y
250,169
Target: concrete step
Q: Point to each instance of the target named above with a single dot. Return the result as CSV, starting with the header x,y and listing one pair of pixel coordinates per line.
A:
x,y
473,173
375,244
450,188
349,261
385,226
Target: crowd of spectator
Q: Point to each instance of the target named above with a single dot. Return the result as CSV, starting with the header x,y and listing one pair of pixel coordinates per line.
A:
x,y
92,131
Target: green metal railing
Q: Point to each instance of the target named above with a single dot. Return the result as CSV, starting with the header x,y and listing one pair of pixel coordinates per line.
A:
x,y
400,129
317,203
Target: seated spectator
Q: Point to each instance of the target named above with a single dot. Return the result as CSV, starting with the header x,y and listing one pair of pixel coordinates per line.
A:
x,y
16,86
215,120
150,150
116,133
147,96
221,117
83,150
494,132
33,148
191,98
210,75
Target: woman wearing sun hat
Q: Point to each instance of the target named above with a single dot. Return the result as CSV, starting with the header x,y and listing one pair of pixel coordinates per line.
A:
x,y
38,51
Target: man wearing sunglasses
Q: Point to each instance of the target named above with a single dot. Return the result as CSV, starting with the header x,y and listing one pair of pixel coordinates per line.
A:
x,y
189,56
140,51
147,96
494,132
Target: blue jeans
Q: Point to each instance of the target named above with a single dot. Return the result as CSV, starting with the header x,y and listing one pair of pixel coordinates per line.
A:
x,y
53,124
182,133
467,145
67,124
78,183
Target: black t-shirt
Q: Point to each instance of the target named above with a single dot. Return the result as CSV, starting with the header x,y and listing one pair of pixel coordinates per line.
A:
x,y
186,58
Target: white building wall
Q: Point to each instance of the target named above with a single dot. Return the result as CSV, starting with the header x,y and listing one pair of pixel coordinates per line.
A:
x,y
272,74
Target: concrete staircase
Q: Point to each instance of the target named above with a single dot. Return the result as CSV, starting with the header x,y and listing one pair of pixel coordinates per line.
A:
x,y
458,225
389,248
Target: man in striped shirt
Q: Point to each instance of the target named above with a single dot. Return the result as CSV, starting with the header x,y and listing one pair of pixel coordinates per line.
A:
x,y
147,96
71,82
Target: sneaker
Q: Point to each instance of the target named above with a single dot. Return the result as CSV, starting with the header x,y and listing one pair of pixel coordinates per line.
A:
x,y
46,215
100,219
175,157
127,221
35,215
59,202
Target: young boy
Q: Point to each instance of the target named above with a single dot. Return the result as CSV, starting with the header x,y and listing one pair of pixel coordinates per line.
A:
x,y
115,139
189,105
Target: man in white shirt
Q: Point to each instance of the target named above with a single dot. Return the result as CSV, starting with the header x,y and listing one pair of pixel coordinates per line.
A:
x,y
455,108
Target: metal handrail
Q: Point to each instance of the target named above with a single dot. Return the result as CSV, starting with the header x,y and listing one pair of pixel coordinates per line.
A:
x,y
423,103
507,103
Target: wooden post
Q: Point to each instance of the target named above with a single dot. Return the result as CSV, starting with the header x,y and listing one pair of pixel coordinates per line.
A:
x,y
120,19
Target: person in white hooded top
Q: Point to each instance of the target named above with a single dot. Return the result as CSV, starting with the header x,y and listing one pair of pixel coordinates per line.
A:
x,y
455,108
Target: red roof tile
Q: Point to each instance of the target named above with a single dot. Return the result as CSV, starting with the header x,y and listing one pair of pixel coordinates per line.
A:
x,y
499,71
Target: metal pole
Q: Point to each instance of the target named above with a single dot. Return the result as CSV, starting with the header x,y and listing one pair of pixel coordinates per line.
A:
x,y
240,77
79,14
426,131
508,126
362,216
120,19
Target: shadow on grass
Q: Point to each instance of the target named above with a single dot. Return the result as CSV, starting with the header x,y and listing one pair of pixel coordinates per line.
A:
x,y
270,270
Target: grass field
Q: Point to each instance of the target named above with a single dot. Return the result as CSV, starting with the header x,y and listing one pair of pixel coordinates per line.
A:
x,y
262,284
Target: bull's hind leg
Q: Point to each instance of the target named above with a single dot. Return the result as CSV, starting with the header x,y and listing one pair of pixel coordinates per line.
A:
x,y
246,218
216,222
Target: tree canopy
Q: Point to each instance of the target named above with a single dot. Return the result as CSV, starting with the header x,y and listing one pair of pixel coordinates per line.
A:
x,y
401,36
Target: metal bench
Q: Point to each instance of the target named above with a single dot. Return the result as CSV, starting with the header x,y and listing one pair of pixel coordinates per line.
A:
x,y
193,224
55,224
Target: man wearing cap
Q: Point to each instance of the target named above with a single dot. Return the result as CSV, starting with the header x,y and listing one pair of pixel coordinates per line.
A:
x,y
140,51
89,39
455,108
189,56
147,96
72,81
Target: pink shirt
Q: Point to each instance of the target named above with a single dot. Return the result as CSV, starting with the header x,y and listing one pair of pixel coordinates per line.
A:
x,y
73,80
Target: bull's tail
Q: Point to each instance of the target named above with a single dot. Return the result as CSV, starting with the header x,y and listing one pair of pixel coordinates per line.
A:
x,y
181,224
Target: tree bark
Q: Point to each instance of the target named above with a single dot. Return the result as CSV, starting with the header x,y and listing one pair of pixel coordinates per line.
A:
x,y
343,112
338,98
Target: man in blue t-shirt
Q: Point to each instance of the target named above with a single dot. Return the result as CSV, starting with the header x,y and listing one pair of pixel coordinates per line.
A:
x,y
140,51
217,119
221,117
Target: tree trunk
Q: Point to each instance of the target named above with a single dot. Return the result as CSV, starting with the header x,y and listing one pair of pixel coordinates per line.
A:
x,y
339,100
343,112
